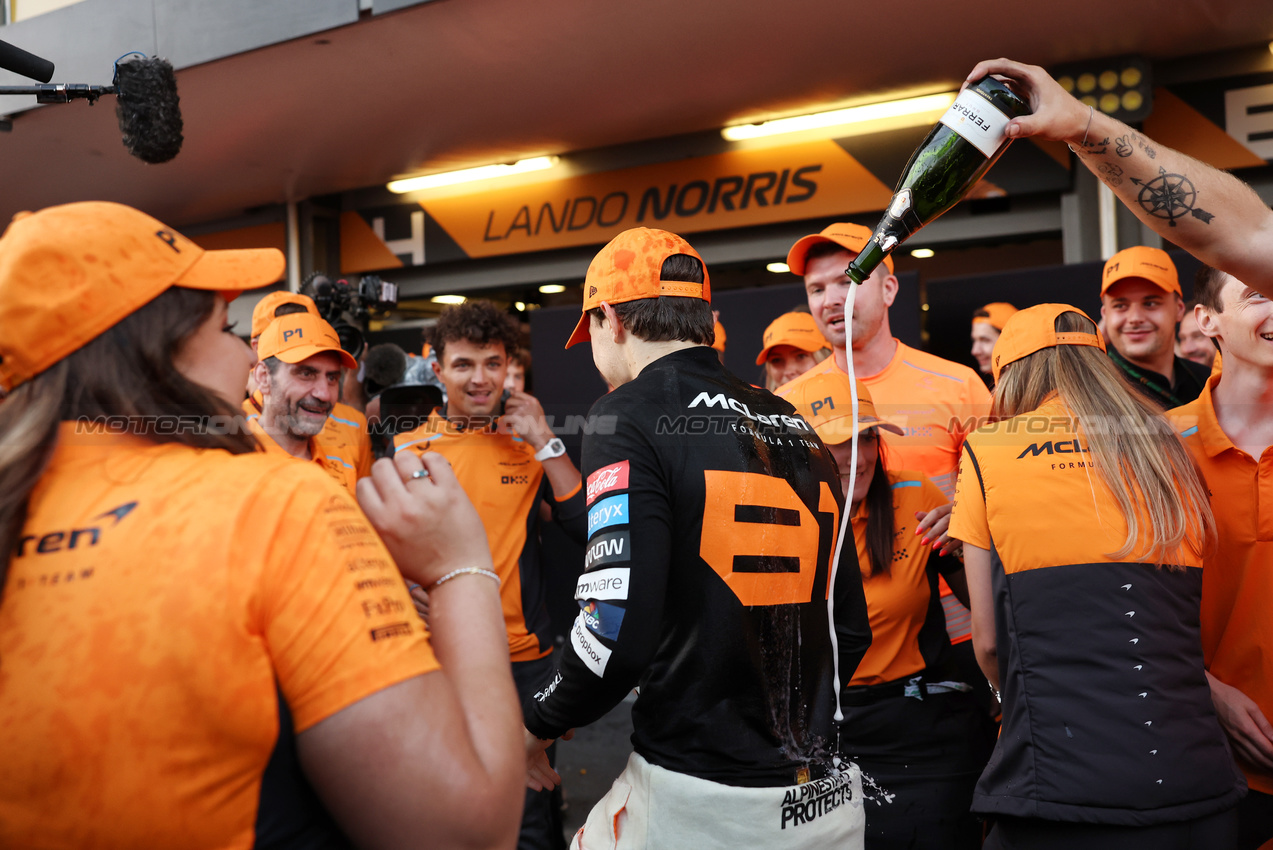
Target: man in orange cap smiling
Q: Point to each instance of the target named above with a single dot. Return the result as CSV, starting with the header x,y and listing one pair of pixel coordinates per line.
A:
x,y
1141,305
299,379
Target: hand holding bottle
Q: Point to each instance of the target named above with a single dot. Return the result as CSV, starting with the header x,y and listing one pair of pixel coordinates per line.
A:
x,y
1057,114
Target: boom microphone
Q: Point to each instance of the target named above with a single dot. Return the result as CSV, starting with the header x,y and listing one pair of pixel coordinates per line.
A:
x,y
25,64
146,104
148,108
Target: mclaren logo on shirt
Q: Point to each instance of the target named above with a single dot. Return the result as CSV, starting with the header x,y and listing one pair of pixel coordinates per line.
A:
x,y
1061,447
74,538
723,401
608,512
588,648
610,583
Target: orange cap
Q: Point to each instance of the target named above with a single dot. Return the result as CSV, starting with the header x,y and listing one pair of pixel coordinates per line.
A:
x,y
718,340
796,329
71,272
299,336
851,237
1151,264
263,312
628,269
825,403
1000,312
1034,329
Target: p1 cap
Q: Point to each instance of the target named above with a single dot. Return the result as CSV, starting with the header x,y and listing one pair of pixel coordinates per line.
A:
x,y
825,403
852,237
628,269
1152,264
299,336
718,339
70,273
1000,312
796,329
263,312
1034,329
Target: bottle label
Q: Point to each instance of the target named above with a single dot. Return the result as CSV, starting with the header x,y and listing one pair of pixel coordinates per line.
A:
x,y
977,121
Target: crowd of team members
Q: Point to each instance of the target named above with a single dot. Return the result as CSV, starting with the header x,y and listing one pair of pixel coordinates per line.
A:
x,y
1050,621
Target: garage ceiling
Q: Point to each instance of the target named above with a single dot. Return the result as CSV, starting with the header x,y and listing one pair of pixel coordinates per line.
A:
x,y
456,83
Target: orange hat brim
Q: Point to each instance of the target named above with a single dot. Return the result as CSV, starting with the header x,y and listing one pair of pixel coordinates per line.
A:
x,y
301,353
581,333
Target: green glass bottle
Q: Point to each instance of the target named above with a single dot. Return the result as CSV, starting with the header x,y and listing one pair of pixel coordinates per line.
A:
x,y
947,164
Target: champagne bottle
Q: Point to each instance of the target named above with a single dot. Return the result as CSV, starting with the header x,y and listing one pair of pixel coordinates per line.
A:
x,y
947,164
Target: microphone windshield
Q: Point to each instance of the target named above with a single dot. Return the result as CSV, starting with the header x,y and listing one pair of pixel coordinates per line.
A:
x,y
148,108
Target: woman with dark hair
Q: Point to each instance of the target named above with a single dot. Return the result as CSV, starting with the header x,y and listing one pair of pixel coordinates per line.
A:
x,y
1083,519
201,644
917,732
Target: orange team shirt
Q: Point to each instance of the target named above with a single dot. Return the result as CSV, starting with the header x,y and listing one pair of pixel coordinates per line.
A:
x,y
1237,580
345,435
936,402
154,611
502,478
900,601
338,461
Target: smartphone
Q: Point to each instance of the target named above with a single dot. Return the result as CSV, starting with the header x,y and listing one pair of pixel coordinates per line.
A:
x,y
504,396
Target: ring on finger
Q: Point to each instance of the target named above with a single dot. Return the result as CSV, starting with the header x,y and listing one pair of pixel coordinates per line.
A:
x,y
419,473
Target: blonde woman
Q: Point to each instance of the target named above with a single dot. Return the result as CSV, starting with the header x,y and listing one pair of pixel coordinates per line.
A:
x,y
1084,521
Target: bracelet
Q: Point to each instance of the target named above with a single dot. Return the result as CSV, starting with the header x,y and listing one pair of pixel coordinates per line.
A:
x,y
463,571
1086,130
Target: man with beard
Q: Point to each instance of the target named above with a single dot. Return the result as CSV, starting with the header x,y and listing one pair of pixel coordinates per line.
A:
x,y
298,377
1141,305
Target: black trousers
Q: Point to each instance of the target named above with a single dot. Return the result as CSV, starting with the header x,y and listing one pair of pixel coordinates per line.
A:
x,y
1215,832
541,817
920,761
1255,820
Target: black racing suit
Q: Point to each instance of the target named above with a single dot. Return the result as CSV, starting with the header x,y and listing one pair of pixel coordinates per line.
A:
x,y
713,512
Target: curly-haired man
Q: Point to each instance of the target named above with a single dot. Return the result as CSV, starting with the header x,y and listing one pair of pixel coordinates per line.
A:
x,y
517,473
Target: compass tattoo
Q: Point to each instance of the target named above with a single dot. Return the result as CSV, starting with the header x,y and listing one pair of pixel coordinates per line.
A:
x,y
1170,196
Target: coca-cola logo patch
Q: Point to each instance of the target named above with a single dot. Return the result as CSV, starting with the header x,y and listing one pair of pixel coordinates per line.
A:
x,y
606,479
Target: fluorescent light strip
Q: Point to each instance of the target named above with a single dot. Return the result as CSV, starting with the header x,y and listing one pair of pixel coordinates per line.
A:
x,y
778,268
467,175
552,288
448,299
837,117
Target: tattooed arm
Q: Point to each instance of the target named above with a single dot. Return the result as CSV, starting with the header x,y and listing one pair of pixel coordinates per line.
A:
x,y
1208,212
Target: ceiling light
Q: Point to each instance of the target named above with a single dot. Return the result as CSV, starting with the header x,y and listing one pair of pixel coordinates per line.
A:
x,y
484,172
520,306
922,253
837,117
448,299
778,268
552,288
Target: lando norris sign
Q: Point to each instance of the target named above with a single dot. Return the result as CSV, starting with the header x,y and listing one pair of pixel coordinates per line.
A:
x,y
733,189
